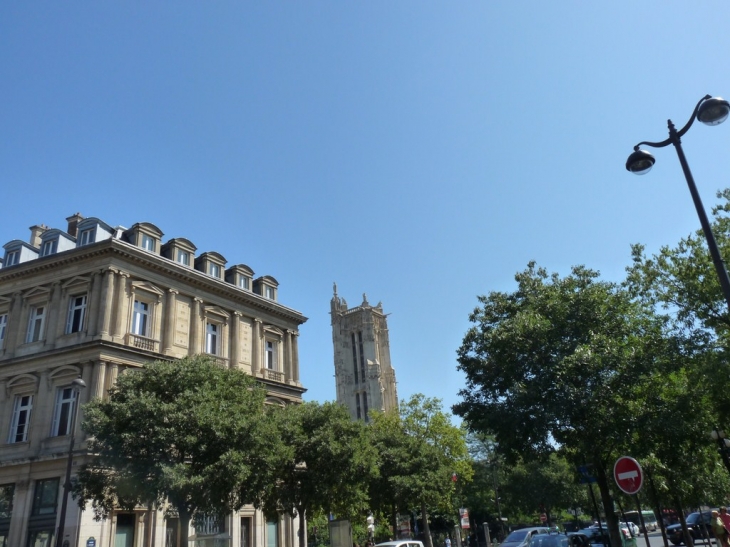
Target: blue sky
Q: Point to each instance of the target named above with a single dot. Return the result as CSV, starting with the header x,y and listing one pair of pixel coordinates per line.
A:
x,y
420,152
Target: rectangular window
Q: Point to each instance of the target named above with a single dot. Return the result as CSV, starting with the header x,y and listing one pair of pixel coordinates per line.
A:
x,y
357,405
63,411
12,258
140,318
269,292
35,324
362,356
87,236
243,282
183,257
214,270
365,405
45,497
6,501
49,247
148,243
21,419
354,355
272,533
211,338
270,355
3,327
76,314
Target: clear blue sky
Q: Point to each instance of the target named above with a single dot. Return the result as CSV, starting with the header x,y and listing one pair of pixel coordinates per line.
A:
x,y
420,152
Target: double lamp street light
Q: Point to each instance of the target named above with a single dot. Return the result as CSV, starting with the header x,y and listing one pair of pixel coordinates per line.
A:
x,y
710,111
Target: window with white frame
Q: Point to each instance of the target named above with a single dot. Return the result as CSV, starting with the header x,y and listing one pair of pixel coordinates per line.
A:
x,y
21,419
141,318
49,247
269,292
87,236
3,327
214,269
36,322
12,258
243,282
183,257
270,355
148,243
76,314
63,411
212,332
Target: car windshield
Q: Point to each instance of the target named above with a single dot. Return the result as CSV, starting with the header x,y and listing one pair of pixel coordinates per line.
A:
x,y
545,540
517,535
692,518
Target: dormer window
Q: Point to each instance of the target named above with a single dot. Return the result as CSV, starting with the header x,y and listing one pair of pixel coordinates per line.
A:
x,y
12,258
144,235
49,247
269,293
211,263
266,286
148,243
87,236
244,282
179,250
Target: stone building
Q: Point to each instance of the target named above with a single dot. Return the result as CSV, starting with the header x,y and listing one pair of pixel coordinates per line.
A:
x,y
93,301
363,373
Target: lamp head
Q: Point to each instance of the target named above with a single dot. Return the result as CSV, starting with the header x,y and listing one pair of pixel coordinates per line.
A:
x,y
640,162
78,384
713,111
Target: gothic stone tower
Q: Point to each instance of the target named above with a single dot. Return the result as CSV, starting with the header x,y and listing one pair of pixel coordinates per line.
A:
x,y
365,378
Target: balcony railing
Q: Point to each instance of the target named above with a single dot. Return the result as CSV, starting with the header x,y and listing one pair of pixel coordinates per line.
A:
x,y
273,375
142,342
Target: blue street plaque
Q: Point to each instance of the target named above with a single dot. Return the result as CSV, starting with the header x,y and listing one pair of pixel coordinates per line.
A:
x,y
91,542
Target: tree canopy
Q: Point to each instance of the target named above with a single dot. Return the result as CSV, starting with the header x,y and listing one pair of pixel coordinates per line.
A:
x,y
328,465
187,432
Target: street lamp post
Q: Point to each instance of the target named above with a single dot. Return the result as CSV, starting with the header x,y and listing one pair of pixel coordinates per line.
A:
x,y
710,111
77,385
723,446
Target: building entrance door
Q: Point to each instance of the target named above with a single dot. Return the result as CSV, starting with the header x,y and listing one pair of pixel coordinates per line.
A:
x,y
124,535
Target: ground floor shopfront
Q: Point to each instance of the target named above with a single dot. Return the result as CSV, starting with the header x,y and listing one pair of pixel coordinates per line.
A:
x,y
29,517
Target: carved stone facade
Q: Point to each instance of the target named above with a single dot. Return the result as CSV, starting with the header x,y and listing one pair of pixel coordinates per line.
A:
x,y
365,378
94,301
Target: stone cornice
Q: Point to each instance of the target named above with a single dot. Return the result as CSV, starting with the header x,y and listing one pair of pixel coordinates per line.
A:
x,y
154,262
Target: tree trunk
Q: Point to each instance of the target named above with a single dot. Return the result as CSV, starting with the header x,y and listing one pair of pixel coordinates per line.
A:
x,y
426,531
394,522
611,521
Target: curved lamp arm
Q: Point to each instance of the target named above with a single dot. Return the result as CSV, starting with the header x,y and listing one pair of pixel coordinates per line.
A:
x,y
679,133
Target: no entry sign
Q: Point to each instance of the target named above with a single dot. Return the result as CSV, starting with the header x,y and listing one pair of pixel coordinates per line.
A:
x,y
628,474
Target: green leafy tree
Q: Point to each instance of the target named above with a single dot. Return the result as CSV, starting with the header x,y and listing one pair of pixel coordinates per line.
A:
x,y
433,449
328,465
187,432
557,363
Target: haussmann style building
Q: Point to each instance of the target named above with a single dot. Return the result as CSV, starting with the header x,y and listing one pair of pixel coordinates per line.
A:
x,y
364,376
90,301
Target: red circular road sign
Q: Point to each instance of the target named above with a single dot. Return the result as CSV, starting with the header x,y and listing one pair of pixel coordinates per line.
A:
x,y
628,474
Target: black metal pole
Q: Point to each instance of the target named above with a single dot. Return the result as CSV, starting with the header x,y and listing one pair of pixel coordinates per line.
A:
x,y
711,243
69,463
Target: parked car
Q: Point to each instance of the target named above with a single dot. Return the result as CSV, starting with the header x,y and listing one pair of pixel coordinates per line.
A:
x,y
552,539
631,527
598,537
401,543
698,524
523,536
